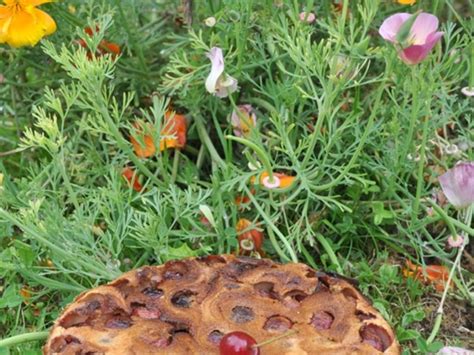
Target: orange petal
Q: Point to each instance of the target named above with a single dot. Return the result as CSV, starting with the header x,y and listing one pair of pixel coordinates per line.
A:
x,y
109,47
436,275
26,28
175,125
132,179
32,2
246,232
149,148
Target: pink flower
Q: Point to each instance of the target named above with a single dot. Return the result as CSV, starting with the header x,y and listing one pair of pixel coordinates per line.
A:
x,y
455,241
219,83
244,121
458,184
308,17
421,39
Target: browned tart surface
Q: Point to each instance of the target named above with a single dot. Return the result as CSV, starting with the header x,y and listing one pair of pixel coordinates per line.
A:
x,y
186,306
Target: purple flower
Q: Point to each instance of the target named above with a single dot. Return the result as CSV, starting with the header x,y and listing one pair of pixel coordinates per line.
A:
x,y
219,83
421,39
458,184
244,120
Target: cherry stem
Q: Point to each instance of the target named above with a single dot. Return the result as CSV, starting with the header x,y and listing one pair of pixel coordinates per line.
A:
x,y
271,340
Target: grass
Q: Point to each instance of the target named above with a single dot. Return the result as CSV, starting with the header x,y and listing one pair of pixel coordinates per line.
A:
x,y
365,135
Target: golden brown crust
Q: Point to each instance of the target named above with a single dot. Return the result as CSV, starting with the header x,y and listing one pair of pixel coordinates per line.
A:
x,y
185,307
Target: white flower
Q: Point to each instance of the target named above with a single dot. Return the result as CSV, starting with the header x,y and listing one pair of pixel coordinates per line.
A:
x,y
219,83
210,21
468,91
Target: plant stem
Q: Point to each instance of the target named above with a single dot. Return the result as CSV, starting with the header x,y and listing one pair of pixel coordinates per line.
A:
x,y
176,157
439,312
421,164
331,254
260,153
206,140
271,340
22,338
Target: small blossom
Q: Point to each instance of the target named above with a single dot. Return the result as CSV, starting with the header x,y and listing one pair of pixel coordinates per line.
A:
x,y
250,239
132,179
458,184
284,181
308,17
420,39
210,21
271,184
244,120
406,2
455,241
468,91
254,167
72,9
104,47
173,135
219,83
451,149
22,24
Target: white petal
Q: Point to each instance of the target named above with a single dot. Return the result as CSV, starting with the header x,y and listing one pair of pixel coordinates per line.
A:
x,y
217,68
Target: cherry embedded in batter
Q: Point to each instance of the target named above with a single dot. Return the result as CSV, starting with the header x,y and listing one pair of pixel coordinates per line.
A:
x,y
238,343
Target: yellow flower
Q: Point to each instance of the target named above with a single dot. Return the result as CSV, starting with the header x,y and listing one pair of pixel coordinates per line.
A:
x,y
406,2
22,24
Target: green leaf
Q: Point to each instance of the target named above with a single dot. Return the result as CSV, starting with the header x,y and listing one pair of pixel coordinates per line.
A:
x,y
10,297
404,32
183,251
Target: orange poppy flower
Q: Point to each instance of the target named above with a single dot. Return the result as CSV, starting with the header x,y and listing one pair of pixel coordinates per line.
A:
x,y
105,47
243,199
22,24
250,239
173,135
436,275
284,180
132,179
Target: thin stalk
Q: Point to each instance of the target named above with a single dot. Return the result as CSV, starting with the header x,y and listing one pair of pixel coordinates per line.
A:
x,y
206,140
67,182
260,153
359,148
174,173
331,254
22,338
419,181
271,340
440,311
449,220
273,229
137,48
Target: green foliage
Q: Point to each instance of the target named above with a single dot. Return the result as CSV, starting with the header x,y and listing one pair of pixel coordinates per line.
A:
x,y
361,132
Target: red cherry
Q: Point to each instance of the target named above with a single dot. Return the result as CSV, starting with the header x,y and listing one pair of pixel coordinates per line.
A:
x,y
238,343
